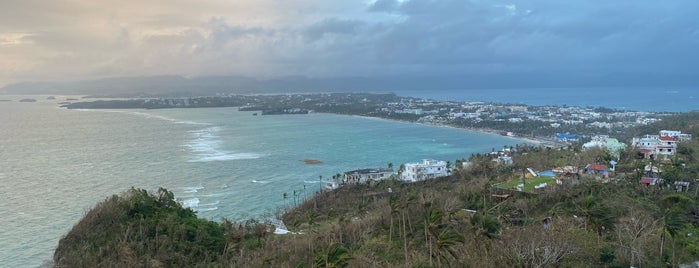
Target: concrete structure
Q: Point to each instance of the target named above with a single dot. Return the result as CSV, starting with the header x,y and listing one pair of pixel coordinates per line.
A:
x,y
367,174
503,159
612,145
428,169
676,135
662,146
567,137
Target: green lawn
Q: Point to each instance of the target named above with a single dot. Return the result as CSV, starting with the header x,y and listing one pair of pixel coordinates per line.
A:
x,y
529,183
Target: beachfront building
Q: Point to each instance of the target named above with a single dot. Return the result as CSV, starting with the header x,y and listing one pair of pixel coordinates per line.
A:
x,y
675,135
612,145
662,146
428,169
367,174
567,137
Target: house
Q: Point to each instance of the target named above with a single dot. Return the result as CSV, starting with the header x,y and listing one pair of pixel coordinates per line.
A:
x,y
367,174
428,169
661,146
503,159
611,145
677,135
681,186
595,169
648,181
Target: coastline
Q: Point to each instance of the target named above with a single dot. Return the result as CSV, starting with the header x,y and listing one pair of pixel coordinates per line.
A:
x,y
534,140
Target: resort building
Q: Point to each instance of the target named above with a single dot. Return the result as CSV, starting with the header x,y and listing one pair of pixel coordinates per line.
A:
x,y
675,135
662,146
567,137
428,169
612,145
367,174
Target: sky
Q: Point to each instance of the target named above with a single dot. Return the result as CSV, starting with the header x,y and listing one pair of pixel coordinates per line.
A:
x,y
63,40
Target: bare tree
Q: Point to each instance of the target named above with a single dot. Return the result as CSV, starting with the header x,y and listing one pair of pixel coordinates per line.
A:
x,y
537,247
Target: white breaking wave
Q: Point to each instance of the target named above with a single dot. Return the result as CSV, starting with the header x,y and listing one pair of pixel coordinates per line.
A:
x,y
206,145
192,189
226,157
261,182
160,117
209,204
207,209
148,116
190,203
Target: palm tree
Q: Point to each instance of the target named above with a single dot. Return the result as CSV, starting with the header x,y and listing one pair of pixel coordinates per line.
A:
x,y
394,206
446,240
433,217
407,201
320,183
334,256
671,223
597,215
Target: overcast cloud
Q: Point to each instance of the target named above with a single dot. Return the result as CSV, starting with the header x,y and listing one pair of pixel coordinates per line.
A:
x,y
80,39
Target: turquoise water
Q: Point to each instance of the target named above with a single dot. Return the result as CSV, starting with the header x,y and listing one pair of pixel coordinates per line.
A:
x,y
55,164
648,99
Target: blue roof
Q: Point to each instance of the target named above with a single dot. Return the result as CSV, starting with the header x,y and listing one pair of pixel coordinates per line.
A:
x,y
567,136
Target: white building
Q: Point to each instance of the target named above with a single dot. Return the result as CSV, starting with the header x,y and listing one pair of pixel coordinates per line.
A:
x,y
675,135
661,146
367,174
612,145
428,169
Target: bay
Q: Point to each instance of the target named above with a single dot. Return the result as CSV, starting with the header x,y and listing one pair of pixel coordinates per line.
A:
x,y
55,164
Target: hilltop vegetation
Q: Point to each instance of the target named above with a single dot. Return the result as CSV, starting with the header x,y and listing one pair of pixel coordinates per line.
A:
x,y
456,221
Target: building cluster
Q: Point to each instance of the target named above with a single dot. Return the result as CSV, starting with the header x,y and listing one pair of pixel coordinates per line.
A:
x,y
412,172
439,112
661,146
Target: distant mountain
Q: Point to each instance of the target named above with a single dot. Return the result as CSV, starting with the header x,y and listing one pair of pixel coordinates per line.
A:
x,y
181,86
173,86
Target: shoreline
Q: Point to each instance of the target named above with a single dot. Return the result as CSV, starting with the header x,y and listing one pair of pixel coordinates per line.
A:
x,y
534,140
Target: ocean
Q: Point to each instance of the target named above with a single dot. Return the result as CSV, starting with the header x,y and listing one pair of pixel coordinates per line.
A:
x,y
649,99
55,164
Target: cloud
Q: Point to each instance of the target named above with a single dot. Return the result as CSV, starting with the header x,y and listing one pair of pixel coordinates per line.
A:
x,y
268,38
384,6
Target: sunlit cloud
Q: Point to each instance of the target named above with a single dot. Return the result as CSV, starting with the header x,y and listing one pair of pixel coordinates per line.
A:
x,y
269,38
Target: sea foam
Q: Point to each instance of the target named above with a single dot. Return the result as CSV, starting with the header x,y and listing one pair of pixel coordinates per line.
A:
x,y
190,203
192,189
206,146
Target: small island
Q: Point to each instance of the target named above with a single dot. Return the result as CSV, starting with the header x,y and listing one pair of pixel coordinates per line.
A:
x,y
27,100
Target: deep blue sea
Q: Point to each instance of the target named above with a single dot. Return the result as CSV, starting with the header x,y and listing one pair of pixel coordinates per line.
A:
x,y
55,164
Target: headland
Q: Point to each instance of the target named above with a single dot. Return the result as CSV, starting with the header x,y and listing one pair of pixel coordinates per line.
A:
x,y
537,124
